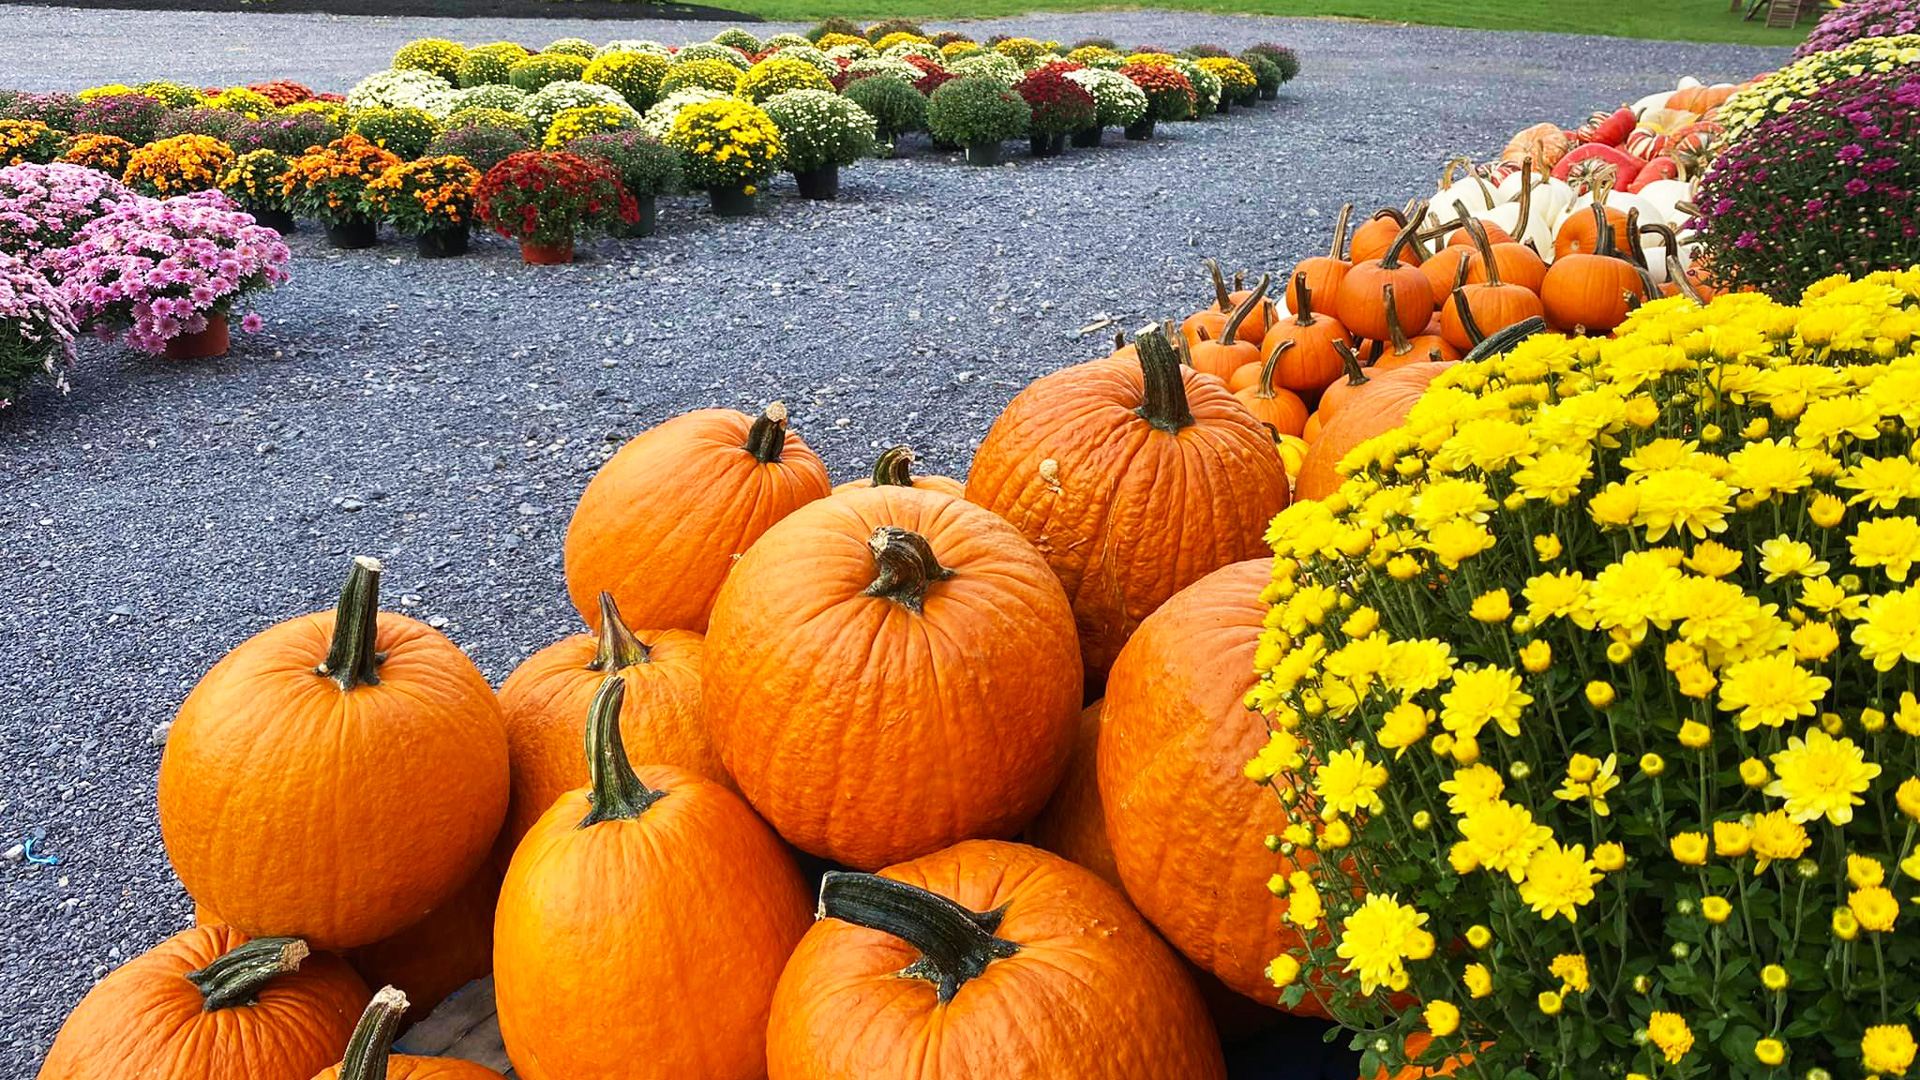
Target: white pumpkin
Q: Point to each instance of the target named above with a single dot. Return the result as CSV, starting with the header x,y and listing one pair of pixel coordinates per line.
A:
x,y
1546,198
1472,190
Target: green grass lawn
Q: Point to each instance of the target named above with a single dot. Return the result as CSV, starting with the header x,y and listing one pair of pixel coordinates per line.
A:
x,y
1681,20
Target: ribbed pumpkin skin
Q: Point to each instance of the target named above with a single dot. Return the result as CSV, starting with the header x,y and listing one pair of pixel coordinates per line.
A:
x,y
294,808
645,948
432,959
1072,825
1091,995
545,701
1127,514
660,523
1382,406
943,485
145,1021
1187,827
867,733
409,1067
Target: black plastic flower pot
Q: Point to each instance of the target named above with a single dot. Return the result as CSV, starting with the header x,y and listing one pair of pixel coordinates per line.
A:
x,y
1223,105
1047,145
731,202
443,243
1088,137
279,221
356,232
646,224
1247,99
1271,93
820,183
1140,130
986,153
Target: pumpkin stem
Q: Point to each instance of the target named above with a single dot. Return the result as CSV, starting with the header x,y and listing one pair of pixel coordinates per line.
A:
x,y
372,1042
1221,299
1634,249
1265,390
955,944
768,436
1165,402
1680,279
1391,260
1239,280
1119,340
905,567
1446,175
1525,224
1340,232
894,467
618,646
1478,234
617,793
1467,321
1356,375
1603,232
1254,299
238,977
351,659
1302,301
1396,335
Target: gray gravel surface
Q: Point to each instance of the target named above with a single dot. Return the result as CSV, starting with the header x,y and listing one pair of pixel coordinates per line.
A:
x,y
445,415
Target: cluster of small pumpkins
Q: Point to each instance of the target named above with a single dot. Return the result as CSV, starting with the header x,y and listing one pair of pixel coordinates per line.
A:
x,y
897,677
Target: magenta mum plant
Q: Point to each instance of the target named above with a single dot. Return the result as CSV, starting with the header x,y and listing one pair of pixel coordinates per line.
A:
x,y
37,329
153,270
1858,19
43,207
1832,186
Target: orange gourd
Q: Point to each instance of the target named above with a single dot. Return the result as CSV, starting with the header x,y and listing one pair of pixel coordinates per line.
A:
x,y
632,901
1323,272
545,701
208,1004
370,1055
1304,344
1543,144
432,959
877,640
1358,304
1375,236
1443,266
986,961
1473,311
1187,827
335,777
1591,292
1699,99
1132,481
1400,349
1277,407
662,521
1219,357
1384,406
894,467
1072,825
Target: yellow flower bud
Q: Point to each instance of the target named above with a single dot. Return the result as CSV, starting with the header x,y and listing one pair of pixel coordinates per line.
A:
x,y
1479,936
1731,839
1283,970
1599,694
1716,909
1442,1017
1466,751
1336,835
1652,764
1689,848
1695,735
1536,656
1845,926
1549,1002
1753,773
1492,607
1769,1052
1548,547
1826,510
1774,977
1609,857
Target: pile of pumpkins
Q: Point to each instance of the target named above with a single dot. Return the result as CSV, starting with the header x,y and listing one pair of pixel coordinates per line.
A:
x,y
1570,230
898,677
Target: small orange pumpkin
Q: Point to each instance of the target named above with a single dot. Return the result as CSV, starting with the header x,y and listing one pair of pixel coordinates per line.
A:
x,y
370,1053
207,1003
1358,304
894,467
1323,272
1211,322
1277,407
1592,292
1374,237
1219,357
1304,344
1473,311
1400,349
1699,99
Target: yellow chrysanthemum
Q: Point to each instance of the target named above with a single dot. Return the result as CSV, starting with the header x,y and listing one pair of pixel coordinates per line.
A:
x,y
1821,776
1379,938
1482,696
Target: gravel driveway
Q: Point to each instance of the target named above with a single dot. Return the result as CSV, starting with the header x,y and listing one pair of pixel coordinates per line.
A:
x,y
445,415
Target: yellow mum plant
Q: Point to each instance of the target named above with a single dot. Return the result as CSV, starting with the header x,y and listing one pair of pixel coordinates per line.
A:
x,y
1596,690
726,144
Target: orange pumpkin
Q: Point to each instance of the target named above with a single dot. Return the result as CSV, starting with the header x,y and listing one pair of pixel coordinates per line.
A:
x,y
1375,236
1699,99
1072,825
647,894
1278,408
335,777
1187,828
546,698
1592,292
880,638
1211,322
1400,349
986,961
1542,144
207,1003
1441,268
662,521
1473,311
1233,348
1384,406
1132,480
1578,234
1359,306
1323,272
1304,344
370,1053
432,959
894,467
1338,391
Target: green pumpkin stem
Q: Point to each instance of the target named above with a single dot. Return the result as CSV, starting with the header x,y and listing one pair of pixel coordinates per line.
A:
x,y
1266,388
1356,375
904,567
1396,335
616,792
351,659
894,467
372,1042
1219,286
768,436
1165,402
618,647
1254,299
1408,234
955,944
238,977
1302,301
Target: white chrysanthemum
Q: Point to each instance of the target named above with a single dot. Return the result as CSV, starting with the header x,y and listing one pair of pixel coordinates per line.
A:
x,y
658,120
1119,99
404,89
556,98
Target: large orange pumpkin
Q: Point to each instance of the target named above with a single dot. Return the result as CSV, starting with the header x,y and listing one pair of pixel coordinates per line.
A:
x,y
335,777
662,521
1072,825
986,961
890,671
1132,480
370,1053
208,1004
642,925
1383,406
1187,828
432,959
545,701
894,467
